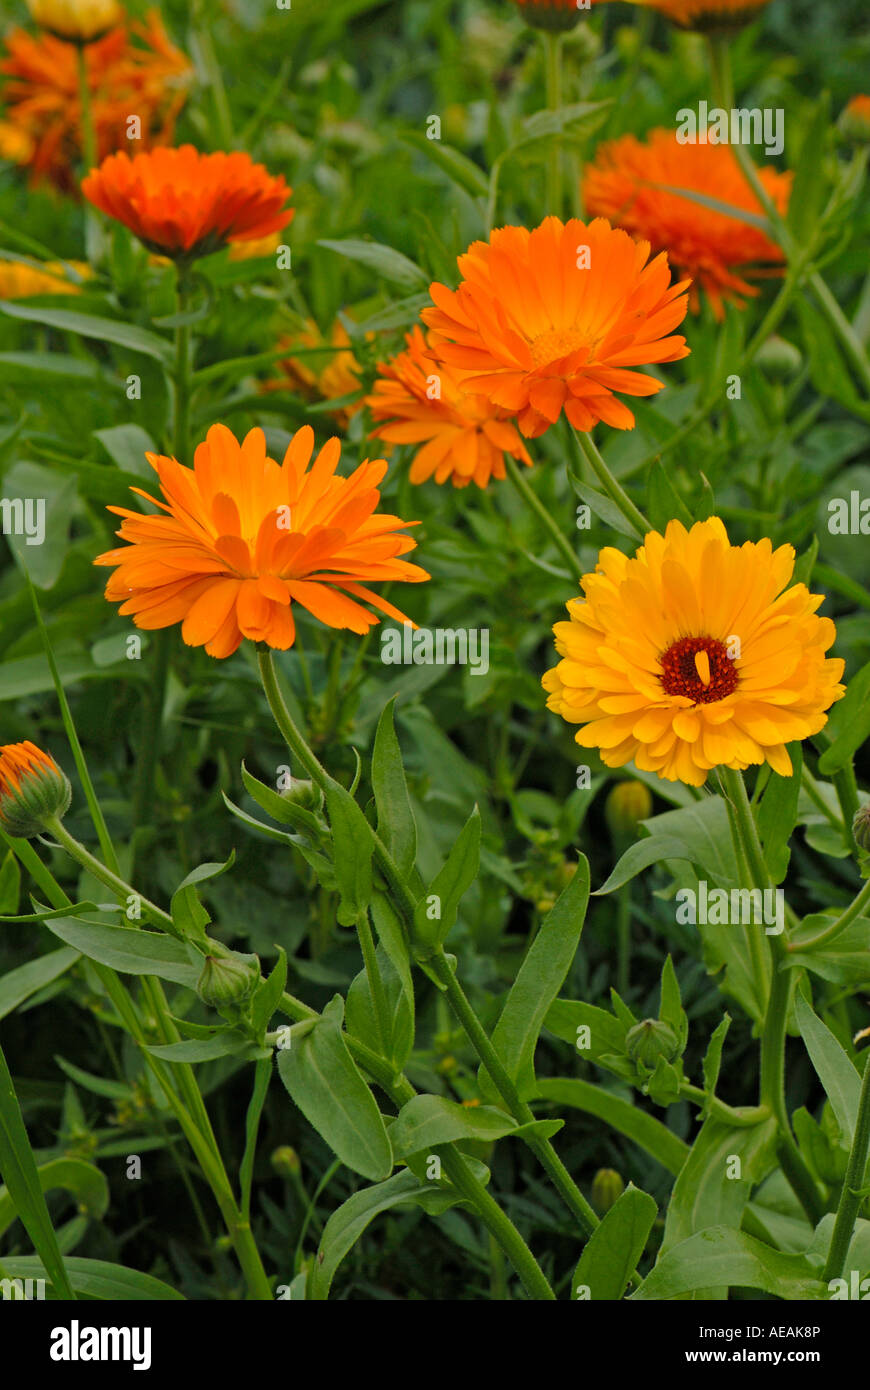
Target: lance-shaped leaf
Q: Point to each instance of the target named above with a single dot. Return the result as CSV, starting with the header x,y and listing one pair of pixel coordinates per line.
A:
x,y
614,1248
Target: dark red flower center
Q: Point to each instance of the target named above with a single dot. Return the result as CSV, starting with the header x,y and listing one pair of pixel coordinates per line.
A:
x,y
699,668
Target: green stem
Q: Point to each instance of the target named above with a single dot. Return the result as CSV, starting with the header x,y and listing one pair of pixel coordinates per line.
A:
x,y
76,850
532,500
623,939
851,1196
617,494
553,62
744,1117
845,919
376,984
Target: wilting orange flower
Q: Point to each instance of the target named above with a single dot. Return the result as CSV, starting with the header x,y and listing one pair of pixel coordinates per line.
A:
x,y
76,19
463,437
551,320
630,180
854,121
20,281
145,79
244,538
694,654
33,790
184,204
322,376
551,14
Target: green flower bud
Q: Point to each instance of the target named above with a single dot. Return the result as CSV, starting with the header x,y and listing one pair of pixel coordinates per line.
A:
x,y
861,827
558,15
607,1188
303,794
627,804
229,979
646,1042
779,359
854,122
33,790
285,1161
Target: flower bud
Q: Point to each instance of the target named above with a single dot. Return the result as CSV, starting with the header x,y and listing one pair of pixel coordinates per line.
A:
x,y
558,15
607,1188
79,20
778,359
304,794
627,804
854,122
33,790
861,827
229,979
646,1042
285,1161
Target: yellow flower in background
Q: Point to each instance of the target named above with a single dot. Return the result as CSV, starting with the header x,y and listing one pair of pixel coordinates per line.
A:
x,y
320,374
20,281
16,146
252,250
81,20
694,654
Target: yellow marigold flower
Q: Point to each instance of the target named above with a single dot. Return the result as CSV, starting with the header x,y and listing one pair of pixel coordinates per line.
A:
x,y
631,182
251,250
423,401
20,281
81,20
693,655
321,376
16,145
33,790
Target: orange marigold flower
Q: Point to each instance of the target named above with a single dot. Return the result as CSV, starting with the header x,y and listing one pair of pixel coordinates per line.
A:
x,y
183,204
854,121
81,20
243,538
321,375
463,436
709,16
20,281
551,320
631,182
551,14
134,71
33,790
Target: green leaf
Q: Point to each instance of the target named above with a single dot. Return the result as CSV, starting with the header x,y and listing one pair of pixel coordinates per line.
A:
x,y
361,1016
615,1246
186,910
94,1279
777,815
809,187
713,1055
193,1050
129,950
20,1174
722,1257
448,886
663,501
324,1081
86,1183
352,853
124,335
396,825
699,833
19,984
384,260
845,960
47,366
460,170
837,1074
268,994
540,978
392,938
427,1121
645,1130
570,1019
280,808
704,200
127,446
849,724
574,120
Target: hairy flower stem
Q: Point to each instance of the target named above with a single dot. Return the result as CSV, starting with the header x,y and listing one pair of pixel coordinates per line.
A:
x,y
772,1082
617,494
852,1194
531,499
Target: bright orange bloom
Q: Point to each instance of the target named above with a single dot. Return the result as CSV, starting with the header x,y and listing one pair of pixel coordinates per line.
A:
x,y
854,121
630,180
20,281
244,538
551,320
146,79
32,789
83,20
551,14
321,376
182,203
707,15
464,437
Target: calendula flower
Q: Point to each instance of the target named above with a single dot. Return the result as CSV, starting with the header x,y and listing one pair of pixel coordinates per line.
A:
x,y
184,204
20,281
552,320
135,75
253,250
33,790
321,375
81,20
631,181
708,16
551,14
854,122
16,146
694,654
463,436
243,538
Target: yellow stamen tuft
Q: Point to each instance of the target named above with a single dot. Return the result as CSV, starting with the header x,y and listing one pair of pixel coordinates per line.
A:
x,y
702,666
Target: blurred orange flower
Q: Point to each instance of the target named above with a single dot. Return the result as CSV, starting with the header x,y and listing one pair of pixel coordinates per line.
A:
x,y
463,437
706,14
552,320
631,182
181,203
146,79
854,120
324,376
243,538
20,281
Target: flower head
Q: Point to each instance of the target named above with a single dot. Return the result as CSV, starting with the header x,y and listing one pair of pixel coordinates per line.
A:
x,y
185,204
632,182
133,71
16,146
553,319
709,16
462,436
82,20
854,122
551,14
33,790
320,374
20,281
242,539
693,655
